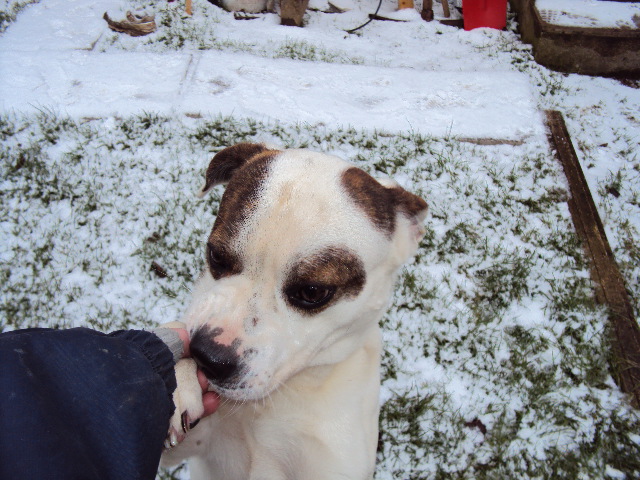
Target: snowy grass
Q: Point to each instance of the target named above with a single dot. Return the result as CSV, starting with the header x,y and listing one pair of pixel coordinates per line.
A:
x,y
9,11
177,31
605,135
604,129
496,356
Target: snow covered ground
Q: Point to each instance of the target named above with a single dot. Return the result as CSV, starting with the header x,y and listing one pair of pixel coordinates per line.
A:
x,y
496,356
495,105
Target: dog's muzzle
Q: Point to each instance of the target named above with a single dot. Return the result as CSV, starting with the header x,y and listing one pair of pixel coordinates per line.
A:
x,y
221,364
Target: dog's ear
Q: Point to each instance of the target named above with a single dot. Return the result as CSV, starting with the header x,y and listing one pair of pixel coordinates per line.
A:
x,y
411,208
227,161
394,211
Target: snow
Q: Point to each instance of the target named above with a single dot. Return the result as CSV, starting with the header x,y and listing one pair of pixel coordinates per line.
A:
x,y
590,13
462,88
58,25
59,72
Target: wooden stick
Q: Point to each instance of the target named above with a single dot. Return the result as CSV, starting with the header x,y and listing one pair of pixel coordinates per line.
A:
x,y
385,19
427,10
610,287
405,4
445,8
188,8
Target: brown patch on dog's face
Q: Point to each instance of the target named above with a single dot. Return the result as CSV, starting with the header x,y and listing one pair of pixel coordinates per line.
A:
x,y
407,203
371,197
221,260
378,202
317,282
239,200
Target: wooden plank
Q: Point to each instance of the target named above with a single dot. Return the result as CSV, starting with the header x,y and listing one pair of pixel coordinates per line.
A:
x,y
427,10
610,287
373,16
445,8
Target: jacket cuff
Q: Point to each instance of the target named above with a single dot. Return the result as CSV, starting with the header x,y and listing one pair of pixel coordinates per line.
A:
x,y
172,339
157,353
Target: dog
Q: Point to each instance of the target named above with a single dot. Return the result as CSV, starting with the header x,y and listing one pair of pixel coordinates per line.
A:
x,y
301,265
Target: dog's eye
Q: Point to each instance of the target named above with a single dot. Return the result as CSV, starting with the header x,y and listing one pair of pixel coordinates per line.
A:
x,y
215,257
310,296
218,262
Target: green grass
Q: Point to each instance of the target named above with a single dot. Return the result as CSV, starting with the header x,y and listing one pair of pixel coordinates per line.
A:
x,y
305,51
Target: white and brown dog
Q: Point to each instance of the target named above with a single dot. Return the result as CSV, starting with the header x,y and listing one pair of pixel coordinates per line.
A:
x,y
301,264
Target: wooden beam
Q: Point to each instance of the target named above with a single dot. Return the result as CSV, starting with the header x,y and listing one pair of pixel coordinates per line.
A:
x,y
427,10
610,287
445,8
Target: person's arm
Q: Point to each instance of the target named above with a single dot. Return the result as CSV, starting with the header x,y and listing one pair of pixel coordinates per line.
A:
x,y
79,404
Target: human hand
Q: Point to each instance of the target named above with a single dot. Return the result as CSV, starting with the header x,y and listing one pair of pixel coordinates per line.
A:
x,y
210,400
176,337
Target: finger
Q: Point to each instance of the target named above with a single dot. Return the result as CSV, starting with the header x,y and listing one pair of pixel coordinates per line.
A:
x,y
211,402
202,380
184,336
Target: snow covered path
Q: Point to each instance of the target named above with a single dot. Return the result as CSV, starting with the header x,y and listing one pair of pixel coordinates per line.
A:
x,y
493,105
57,70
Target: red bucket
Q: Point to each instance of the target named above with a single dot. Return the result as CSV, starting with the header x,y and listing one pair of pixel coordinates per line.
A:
x,y
484,13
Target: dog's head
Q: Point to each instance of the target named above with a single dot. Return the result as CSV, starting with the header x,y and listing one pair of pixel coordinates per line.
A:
x,y
300,265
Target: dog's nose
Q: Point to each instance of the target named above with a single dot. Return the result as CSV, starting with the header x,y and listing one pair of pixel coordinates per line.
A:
x,y
220,363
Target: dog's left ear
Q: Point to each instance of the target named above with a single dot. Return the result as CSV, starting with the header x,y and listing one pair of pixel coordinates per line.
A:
x,y
227,161
394,211
411,212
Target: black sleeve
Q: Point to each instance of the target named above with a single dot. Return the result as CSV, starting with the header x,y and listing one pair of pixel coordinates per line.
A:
x,y
78,404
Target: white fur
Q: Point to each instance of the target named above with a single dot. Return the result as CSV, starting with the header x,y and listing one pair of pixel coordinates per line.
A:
x,y
310,407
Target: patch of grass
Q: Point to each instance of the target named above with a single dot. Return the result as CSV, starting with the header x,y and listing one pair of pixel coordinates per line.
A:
x,y
506,280
301,50
619,203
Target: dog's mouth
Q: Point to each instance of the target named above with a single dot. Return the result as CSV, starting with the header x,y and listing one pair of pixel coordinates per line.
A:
x,y
240,393
221,364
226,369
251,388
